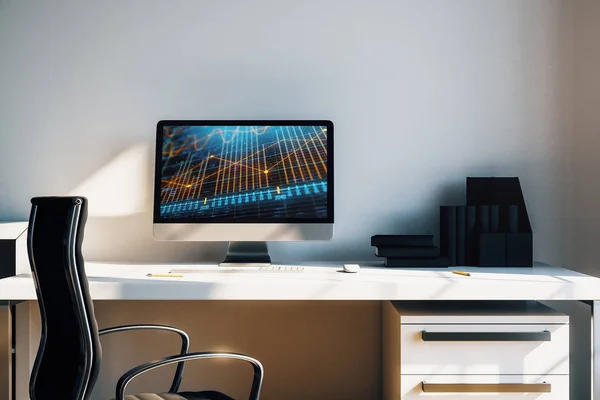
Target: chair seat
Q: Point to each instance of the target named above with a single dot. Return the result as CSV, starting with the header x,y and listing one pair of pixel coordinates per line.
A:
x,y
204,395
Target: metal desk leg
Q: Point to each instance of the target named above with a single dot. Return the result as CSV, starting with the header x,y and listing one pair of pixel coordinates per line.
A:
x,y
24,351
14,374
6,351
595,350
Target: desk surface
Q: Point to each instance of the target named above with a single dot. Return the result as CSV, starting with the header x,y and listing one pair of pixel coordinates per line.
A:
x,y
324,281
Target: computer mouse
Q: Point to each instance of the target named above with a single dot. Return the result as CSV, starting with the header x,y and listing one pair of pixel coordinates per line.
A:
x,y
351,268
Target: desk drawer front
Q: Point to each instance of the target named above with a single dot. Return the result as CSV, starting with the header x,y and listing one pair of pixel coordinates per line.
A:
x,y
477,387
484,349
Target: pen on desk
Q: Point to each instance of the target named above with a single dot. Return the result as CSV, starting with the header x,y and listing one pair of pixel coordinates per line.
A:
x,y
164,275
461,273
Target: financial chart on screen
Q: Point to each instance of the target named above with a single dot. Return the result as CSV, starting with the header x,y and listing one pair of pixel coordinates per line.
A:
x,y
237,173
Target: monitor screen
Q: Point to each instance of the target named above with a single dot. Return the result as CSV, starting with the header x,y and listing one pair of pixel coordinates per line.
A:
x,y
244,171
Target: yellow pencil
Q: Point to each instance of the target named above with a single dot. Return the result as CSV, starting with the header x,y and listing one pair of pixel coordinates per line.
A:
x,y
461,273
164,275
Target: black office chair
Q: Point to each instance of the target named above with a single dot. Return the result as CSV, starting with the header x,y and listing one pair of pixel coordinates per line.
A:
x,y
69,356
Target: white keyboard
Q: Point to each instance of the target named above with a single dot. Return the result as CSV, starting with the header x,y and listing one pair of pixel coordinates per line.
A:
x,y
270,268
284,268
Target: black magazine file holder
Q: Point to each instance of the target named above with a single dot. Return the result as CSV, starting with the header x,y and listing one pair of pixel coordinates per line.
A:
x,y
508,242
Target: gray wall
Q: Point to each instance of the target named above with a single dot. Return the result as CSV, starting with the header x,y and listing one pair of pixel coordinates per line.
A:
x,y
423,93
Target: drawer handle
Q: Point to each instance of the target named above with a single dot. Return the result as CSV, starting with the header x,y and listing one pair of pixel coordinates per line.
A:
x,y
485,387
543,336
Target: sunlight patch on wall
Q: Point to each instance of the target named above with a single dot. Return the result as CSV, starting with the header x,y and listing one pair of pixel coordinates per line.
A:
x,y
121,187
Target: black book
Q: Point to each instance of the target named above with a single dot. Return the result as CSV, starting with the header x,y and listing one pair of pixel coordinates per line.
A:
x,y
471,236
402,240
461,226
495,218
484,218
408,252
448,233
441,262
513,218
519,249
492,250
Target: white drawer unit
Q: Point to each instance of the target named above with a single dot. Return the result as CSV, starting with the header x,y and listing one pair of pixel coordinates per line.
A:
x,y
483,349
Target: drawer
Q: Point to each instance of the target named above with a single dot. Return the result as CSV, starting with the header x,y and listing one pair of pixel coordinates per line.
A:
x,y
478,387
484,349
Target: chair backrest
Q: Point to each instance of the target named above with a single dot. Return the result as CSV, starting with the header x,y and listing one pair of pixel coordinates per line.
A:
x,y
69,356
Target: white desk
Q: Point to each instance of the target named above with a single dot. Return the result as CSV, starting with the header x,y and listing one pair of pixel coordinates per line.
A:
x,y
324,281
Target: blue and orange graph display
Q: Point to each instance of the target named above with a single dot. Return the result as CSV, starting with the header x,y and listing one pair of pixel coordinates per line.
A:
x,y
244,172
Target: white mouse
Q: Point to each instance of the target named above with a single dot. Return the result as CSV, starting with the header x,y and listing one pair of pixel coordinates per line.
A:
x,y
351,268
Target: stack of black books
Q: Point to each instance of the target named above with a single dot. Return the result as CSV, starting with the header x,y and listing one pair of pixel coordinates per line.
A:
x,y
408,251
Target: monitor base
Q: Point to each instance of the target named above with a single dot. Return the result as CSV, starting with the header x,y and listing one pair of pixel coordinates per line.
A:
x,y
247,254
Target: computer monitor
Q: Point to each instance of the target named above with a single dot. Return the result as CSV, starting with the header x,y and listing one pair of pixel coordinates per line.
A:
x,y
244,182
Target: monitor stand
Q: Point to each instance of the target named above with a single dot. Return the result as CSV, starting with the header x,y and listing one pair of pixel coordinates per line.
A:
x,y
247,254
